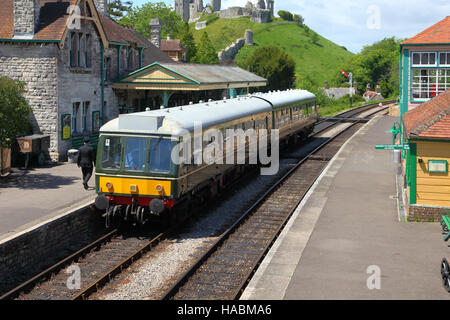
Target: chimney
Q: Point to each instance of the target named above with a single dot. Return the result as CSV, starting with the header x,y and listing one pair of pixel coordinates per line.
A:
x,y
26,18
155,26
102,6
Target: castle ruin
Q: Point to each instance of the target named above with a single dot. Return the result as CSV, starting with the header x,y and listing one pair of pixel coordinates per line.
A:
x,y
191,10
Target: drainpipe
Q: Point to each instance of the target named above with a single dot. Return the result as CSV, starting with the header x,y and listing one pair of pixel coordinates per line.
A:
x,y
103,81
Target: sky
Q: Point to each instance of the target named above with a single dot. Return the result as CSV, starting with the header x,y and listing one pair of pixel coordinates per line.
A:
x,y
357,23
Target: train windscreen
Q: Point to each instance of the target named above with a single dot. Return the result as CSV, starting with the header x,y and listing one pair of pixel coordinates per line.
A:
x,y
111,153
160,155
135,152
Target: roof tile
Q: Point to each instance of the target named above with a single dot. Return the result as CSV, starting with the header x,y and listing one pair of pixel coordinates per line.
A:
x,y
430,118
438,33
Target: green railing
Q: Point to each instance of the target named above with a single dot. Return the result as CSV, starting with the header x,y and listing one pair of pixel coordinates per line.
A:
x,y
77,142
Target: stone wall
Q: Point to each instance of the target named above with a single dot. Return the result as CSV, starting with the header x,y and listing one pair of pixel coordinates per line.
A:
x,y
38,249
231,51
36,65
234,12
423,213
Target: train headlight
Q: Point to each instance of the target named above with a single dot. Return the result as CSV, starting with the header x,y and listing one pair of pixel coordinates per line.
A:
x,y
159,188
133,188
109,185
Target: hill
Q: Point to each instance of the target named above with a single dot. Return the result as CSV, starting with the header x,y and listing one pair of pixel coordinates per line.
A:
x,y
320,59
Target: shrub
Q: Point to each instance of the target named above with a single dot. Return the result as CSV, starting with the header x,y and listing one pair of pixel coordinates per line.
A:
x,y
285,15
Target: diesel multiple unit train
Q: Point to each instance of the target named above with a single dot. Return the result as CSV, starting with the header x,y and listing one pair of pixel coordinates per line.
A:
x,y
138,175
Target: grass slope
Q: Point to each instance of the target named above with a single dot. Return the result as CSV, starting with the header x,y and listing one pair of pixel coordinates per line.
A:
x,y
320,60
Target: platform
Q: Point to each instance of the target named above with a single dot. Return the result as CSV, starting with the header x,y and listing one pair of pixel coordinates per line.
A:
x,y
345,240
31,197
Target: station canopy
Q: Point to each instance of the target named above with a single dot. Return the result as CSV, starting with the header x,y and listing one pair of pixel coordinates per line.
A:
x,y
188,77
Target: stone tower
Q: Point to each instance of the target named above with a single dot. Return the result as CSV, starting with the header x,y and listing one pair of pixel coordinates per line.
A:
x,y
26,18
216,4
155,26
271,6
260,4
182,8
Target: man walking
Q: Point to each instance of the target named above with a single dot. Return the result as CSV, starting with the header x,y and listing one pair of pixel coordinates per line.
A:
x,y
86,160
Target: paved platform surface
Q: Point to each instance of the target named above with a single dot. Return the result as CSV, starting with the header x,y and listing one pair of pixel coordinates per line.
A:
x,y
346,235
30,197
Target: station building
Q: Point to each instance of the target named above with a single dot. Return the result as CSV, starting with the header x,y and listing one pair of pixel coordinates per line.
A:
x,y
75,60
427,130
424,121
425,65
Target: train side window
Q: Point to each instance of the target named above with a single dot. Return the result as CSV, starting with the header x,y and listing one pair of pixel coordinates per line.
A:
x,y
160,155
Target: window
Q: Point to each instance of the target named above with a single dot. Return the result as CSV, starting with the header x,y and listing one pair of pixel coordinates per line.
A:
x,y
444,59
135,152
429,83
82,46
73,49
84,121
75,114
111,152
160,155
424,58
87,47
129,58
107,69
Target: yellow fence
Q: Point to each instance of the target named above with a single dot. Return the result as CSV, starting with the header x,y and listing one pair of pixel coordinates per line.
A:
x,y
5,161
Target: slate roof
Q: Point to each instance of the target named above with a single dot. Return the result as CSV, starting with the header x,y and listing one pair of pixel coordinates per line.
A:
x,y
430,120
438,33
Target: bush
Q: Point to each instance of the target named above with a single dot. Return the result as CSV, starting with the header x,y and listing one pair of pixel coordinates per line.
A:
x,y
298,19
285,15
14,111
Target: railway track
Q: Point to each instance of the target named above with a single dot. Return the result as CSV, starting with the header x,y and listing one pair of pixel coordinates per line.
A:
x,y
109,255
224,270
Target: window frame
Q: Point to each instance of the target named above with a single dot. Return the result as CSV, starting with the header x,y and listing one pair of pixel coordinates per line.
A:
x,y
420,62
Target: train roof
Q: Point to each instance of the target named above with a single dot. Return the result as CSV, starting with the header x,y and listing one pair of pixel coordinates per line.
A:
x,y
176,121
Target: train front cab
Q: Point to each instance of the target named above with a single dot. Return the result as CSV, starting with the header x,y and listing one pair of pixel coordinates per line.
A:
x,y
135,177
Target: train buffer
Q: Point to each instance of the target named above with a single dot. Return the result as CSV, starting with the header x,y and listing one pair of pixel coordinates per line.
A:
x,y
445,225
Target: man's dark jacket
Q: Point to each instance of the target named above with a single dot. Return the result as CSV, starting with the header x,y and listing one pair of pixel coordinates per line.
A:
x,y
86,156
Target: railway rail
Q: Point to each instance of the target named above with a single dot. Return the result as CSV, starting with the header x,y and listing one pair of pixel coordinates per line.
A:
x,y
224,270
110,254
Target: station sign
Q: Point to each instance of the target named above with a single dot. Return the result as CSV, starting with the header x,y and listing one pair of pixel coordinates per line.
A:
x,y
392,146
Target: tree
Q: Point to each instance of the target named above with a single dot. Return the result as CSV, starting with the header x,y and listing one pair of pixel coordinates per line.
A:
x,y
116,8
187,40
285,15
273,64
14,111
139,18
206,53
376,64
298,19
